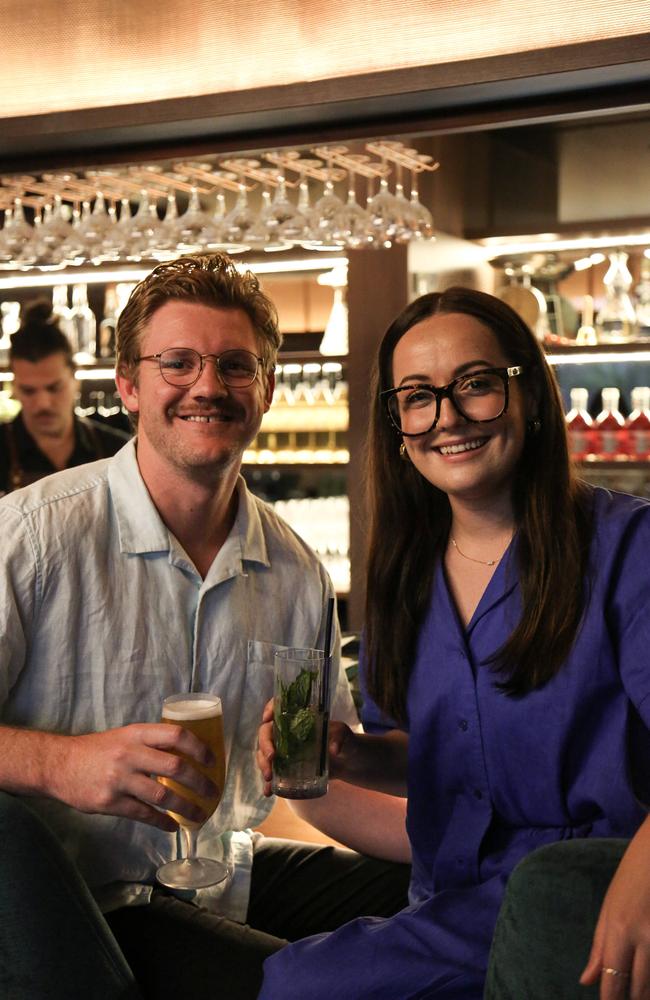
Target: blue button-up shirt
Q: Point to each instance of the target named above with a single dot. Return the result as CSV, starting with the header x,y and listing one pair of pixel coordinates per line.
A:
x,y
492,777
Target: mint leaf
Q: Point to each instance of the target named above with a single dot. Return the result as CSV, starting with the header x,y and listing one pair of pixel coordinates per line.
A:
x,y
302,724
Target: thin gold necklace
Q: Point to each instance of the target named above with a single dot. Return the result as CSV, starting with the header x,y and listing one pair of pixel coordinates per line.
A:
x,y
483,562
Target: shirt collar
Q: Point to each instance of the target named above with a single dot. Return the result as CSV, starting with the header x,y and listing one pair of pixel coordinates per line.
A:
x,y
141,529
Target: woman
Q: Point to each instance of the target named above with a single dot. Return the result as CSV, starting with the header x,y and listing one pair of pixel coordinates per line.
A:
x,y
506,643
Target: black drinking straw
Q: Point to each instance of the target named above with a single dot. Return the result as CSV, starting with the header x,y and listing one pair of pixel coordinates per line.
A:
x,y
325,685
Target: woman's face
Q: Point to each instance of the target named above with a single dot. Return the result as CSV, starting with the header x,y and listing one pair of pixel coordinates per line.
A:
x,y
472,463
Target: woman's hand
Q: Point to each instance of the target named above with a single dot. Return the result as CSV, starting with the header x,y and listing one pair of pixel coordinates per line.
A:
x,y
340,737
620,954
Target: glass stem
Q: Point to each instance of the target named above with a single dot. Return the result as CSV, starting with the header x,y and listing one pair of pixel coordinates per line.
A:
x,y
190,836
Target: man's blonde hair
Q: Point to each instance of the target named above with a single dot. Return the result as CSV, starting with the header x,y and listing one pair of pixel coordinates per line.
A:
x,y
210,279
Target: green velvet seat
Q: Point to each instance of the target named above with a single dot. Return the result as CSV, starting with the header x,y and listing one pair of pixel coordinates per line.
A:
x,y
545,927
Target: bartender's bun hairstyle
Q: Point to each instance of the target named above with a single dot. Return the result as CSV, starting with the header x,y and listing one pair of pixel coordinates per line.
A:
x,y
211,279
39,335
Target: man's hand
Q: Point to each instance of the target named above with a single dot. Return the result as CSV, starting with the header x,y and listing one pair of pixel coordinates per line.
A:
x,y
115,772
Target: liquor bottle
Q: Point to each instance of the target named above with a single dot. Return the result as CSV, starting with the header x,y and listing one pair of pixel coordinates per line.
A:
x,y
580,425
109,323
586,334
616,321
638,424
643,301
610,426
63,314
10,322
85,326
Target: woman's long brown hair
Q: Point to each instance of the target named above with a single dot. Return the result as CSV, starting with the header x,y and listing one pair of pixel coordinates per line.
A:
x,y
410,521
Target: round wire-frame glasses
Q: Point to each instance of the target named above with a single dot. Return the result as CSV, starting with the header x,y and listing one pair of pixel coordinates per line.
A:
x,y
182,366
423,394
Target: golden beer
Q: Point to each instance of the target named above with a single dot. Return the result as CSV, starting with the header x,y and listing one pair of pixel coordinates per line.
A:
x,y
202,715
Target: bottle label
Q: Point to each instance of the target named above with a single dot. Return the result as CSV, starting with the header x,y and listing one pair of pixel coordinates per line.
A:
x,y
579,441
639,442
609,442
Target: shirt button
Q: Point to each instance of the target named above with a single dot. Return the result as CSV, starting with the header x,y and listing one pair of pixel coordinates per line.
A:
x,y
478,794
463,724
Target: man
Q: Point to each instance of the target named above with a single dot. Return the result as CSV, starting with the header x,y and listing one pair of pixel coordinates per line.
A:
x,y
46,436
156,572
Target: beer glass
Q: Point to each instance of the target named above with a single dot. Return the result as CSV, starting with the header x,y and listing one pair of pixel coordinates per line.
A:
x,y
200,713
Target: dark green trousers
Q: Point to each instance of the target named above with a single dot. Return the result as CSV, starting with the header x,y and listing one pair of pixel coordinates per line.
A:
x,y
547,920
56,945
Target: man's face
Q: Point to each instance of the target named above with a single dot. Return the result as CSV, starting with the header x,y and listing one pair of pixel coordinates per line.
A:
x,y
195,430
47,390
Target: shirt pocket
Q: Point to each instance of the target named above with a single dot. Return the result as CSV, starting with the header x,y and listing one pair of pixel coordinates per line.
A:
x,y
258,688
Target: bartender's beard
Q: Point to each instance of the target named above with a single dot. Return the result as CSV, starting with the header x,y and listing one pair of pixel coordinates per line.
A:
x,y
48,423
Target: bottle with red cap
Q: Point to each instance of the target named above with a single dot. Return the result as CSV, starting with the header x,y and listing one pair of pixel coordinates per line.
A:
x,y
638,424
580,425
609,426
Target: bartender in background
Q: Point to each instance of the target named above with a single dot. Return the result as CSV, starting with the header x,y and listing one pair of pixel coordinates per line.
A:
x,y
46,435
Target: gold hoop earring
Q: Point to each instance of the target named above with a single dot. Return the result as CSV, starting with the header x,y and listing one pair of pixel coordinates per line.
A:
x,y
403,454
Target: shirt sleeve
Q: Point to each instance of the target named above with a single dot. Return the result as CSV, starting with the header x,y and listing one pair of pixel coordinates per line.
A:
x,y
18,588
372,717
628,613
628,609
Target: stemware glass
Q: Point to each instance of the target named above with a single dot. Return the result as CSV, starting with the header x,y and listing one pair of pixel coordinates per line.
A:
x,y
43,249
116,240
16,233
165,241
298,228
141,235
283,219
5,233
240,219
324,214
195,228
94,227
263,234
352,223
55,227
73,249
417,219
201,713
384,211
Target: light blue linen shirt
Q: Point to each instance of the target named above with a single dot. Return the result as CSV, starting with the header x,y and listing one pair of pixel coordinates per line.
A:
x,y
103,614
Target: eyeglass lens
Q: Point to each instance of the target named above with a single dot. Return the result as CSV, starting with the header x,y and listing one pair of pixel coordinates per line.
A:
x,y
182,366
479,396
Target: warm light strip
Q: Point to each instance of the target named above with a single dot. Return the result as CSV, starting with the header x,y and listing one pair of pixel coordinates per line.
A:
x,y
581,358
49,278
81,374
498,245
94,373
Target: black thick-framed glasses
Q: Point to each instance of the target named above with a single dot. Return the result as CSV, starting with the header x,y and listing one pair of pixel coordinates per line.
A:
x,y
182,366
480,397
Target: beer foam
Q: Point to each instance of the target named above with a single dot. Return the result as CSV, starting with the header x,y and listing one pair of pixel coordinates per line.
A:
x,y
192,708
